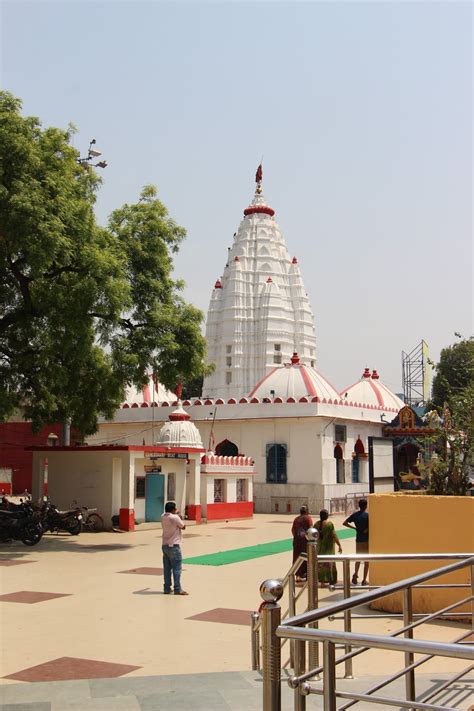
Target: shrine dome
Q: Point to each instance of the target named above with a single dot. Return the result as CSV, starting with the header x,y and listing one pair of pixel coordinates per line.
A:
x,y
149,393
294,380
180,431
369,390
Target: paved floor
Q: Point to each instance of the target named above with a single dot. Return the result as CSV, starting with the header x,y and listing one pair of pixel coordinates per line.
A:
x,y
84,622
225,691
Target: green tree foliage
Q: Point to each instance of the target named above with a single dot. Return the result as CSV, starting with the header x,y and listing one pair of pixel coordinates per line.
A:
x,y
453,399
84,310
454,373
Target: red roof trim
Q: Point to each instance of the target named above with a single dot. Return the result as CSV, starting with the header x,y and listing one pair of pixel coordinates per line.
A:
x,y
377,392
254,209
115,448
308,382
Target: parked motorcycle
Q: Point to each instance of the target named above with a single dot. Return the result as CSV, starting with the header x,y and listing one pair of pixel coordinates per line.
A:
x,y
54,520
19,522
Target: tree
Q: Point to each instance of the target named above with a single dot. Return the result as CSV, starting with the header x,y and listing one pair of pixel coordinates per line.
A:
x,y
454,373
84,310
453,399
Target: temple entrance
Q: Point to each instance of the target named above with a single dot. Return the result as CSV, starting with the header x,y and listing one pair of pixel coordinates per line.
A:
x,y
407,456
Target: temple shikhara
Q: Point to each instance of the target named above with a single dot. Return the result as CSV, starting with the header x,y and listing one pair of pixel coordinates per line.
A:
x,y
268,432
259,314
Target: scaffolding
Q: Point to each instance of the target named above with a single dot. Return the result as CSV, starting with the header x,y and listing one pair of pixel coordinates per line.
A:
x,y
416,375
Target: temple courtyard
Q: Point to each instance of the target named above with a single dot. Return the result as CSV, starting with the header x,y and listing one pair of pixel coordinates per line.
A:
x,y
85,623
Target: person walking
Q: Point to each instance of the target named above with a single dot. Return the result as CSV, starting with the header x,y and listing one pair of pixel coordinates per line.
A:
x,y
360,519
327,572
172,525
298,531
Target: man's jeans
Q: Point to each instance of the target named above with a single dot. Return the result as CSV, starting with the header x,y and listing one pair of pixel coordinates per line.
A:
x,y
172,560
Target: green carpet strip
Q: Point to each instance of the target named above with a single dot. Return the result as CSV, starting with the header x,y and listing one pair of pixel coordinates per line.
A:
x,y
238,555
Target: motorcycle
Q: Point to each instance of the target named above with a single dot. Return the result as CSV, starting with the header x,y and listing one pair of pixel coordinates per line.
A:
x,y
54,520
19,522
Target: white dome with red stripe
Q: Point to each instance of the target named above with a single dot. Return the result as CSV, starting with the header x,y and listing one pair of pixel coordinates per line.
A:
x,y
180,432
294,380
152,391
369,390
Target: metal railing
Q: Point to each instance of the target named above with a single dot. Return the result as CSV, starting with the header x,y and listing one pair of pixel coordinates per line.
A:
x,y
306,638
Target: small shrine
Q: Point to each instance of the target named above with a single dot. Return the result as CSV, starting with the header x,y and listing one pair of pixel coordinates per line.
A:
x,y
413,444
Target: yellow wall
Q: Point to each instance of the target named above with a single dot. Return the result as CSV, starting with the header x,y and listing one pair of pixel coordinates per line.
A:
x,y
404,523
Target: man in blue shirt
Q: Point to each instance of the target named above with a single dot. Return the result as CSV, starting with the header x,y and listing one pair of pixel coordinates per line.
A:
x,y
360,519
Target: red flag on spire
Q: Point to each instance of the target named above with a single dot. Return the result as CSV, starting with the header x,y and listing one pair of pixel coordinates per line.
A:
x,y
259,174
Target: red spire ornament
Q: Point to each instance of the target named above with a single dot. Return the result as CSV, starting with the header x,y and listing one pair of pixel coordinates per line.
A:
x,y
258,178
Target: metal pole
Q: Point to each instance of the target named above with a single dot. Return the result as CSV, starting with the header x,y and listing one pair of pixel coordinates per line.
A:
x,y
346,580
292,613
271,650
255,640
472,593
329,675
408,634
313,601
300,667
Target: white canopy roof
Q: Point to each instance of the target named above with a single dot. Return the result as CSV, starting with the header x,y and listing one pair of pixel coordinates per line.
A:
x,y
370,390
294,380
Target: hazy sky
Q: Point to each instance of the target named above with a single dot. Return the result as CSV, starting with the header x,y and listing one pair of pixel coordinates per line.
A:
x,y
362,111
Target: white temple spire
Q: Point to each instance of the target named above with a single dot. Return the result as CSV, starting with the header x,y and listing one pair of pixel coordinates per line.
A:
x,y
259,312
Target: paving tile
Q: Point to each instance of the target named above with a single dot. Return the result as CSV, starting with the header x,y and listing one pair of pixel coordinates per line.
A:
x,y
131,686
143,571
183,699
45,692
111,703
7,562
35,706
224,615
237,528
72,668
30,596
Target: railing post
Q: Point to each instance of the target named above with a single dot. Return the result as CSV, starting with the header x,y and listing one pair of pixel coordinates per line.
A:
x,y
472,593
313,599
408,634
300,667
271,591
346,581
292,613
255,640
329,675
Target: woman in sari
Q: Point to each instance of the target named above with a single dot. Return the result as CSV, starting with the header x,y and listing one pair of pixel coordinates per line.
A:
x,y
298,531
327,573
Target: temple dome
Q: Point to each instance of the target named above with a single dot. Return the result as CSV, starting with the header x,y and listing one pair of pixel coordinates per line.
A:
x,y
180,431
151,392
369,390
295,380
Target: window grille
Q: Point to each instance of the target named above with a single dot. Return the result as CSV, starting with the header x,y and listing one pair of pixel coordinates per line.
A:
x,y
219,491
241,489
140,487
276,463
228,377
171,488
340,433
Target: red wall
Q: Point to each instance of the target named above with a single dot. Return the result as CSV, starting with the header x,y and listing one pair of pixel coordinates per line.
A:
x,y
14,436
239,509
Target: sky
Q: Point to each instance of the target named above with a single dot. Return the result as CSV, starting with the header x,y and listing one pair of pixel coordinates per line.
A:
x,y
362,112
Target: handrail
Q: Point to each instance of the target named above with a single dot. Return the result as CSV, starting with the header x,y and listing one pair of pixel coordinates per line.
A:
x,y
304,633
371,595
379,642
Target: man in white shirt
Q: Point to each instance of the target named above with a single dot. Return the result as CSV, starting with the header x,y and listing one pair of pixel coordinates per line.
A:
x,y
172,525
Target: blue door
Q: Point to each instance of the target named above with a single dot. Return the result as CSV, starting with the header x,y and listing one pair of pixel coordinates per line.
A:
x,y
154,496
